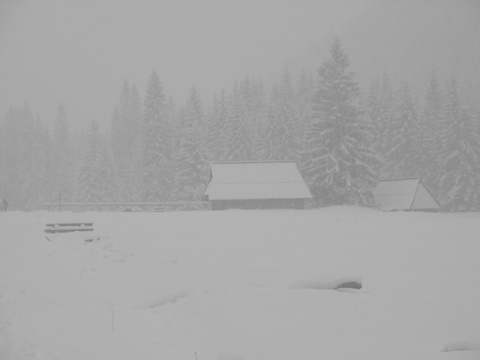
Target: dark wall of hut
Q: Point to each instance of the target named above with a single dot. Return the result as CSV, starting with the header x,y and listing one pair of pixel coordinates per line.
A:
x,y
258,204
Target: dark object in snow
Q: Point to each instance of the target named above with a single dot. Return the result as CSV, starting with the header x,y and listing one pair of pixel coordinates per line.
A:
x,y
54,228
465,345
349,285
4,205
328,283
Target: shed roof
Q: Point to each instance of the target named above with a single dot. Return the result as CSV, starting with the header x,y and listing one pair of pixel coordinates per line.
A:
x,y
404,194
256,180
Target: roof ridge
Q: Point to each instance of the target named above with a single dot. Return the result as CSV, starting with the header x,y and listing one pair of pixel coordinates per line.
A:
x,y
253,162
404,178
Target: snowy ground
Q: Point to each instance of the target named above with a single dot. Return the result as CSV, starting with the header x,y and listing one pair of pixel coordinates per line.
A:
x,y
235,285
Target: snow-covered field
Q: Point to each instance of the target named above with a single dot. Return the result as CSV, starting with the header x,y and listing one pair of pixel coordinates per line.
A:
x,y
232,285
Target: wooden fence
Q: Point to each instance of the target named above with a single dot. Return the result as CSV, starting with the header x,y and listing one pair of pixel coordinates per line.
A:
x,y
130,207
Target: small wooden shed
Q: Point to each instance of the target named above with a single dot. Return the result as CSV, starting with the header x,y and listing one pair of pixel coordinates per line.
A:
x,y
408,194
275,184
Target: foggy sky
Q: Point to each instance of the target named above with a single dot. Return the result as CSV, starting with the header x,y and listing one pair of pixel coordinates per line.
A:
x,y
80,52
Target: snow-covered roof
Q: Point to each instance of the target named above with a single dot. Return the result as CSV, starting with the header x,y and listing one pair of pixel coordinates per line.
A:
x,y
256,180
404,194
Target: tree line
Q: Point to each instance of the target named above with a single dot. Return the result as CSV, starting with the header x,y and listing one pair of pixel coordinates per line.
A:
x,y
343,140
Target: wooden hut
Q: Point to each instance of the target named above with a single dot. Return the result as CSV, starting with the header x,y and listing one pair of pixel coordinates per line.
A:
x,y
408,194
276,184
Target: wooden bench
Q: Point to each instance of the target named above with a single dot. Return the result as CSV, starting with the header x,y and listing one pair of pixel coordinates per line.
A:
x,y
54,228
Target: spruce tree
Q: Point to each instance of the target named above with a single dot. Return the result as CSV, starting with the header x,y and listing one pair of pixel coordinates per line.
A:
x,y
303,94
379,110
62,163
216,127
3,157
281,134
239,136
157,145
116,140
126,123
40,165
287,132
460,171
11,156
384,120
24,160
109,184
134,159
432,120
26,182
258,116
268,146
340,162
403,137
125,138
192,176
90,182
44,160
374,113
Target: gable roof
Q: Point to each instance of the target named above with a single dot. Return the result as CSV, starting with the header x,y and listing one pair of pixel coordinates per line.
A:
x,y
404,194
256,180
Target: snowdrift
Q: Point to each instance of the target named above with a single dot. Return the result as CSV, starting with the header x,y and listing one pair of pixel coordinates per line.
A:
x,y
241,284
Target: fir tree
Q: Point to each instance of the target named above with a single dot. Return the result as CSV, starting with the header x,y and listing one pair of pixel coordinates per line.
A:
x,y
239,132
340,164
258,116
157,145
385,118
287,133
216,127
304,93
281,135
125,138
3,158
90,182
268,146
374,113
108,179
460,178
116,129
126,123
432,121
403,137
62,164
192,173
40,165
11,156
44,156
24,160
25,181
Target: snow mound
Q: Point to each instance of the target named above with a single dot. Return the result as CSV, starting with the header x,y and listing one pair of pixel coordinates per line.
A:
x,y
169,298
327,283
465,345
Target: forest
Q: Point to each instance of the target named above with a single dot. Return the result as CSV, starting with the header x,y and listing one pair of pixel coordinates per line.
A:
x,y
344,136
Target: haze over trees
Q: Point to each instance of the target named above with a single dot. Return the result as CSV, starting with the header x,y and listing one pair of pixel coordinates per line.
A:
x,y
343,138
191,158
156,144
